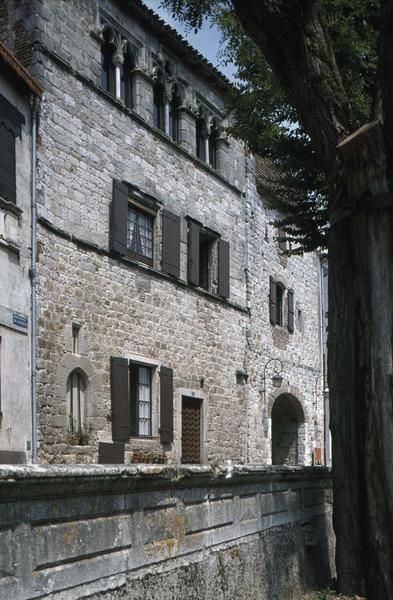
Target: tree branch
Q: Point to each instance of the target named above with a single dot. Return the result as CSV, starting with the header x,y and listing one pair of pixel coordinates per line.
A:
x,y
293,36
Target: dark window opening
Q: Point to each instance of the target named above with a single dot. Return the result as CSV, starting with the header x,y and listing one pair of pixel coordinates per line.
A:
x,y
279,304
200,140
107,66
140,235
213,147
7,164
206,245
158,107
140,398
126,80
173,117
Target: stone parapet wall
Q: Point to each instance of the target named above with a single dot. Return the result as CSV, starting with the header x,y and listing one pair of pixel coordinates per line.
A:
x,y
163,532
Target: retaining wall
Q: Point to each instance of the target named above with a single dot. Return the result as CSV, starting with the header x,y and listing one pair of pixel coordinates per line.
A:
x,y
168,533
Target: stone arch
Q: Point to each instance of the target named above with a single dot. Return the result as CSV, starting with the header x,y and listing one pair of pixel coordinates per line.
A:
x,y
288,430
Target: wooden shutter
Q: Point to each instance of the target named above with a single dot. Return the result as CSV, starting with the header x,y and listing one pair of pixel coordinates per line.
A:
x,y
273,301
166,408
223,268
111,454
134,399
7,165
119,216
291,312
120,400
193,253
170,243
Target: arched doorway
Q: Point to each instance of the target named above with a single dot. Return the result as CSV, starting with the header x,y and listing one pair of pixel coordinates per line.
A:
x,y
287,431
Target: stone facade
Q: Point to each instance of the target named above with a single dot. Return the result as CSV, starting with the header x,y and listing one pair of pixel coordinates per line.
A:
x,y
16,91
116,306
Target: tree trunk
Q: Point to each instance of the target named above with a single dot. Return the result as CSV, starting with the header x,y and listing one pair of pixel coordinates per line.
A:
x,y
360,369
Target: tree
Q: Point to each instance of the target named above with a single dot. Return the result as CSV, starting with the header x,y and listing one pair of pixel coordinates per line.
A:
x,y
331,81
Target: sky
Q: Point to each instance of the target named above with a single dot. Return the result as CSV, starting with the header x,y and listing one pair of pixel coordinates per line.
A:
x,y
207,41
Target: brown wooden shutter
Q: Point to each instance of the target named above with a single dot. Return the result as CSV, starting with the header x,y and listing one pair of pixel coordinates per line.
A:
x,y
223,268
120,400
7,165
170,243
166,408
193,253
273,301
111,454
119,216
291,312
134,399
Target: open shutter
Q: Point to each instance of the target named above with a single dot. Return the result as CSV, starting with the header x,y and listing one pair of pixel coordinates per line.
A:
x,y
193,253
134,399
223,268
7,164
119,216
273,301
170,243
291,312
166,408
120,400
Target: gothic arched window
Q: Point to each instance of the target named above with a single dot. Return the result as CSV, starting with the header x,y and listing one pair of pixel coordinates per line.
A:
x,y
107,66
201,138
158,106
76,401
126,79
174,114
213,144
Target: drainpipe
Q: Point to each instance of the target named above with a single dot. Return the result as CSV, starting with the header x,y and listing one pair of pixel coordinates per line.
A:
x,y
33,275
323,355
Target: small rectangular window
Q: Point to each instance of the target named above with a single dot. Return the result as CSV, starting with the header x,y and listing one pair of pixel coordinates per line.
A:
x,y
140,396
75,338
140,234
279,304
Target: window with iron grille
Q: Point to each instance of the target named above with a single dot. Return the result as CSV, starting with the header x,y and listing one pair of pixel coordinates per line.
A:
x,y
140,234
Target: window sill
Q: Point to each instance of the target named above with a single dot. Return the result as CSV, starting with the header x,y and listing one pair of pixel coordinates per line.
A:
x,y
10,245
10,206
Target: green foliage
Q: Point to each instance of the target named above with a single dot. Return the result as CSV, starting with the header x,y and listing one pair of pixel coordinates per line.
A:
x,y
268,124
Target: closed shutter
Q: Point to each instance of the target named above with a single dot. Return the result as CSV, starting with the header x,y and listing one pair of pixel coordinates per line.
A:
x,y
7,165
119,217
166,408
111,454
120,400
291,312
193,253
273,301
170,243
134,399
223,268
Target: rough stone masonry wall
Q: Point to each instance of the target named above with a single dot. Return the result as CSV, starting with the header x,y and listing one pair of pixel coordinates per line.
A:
x,y
164,533
300,351
86,142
